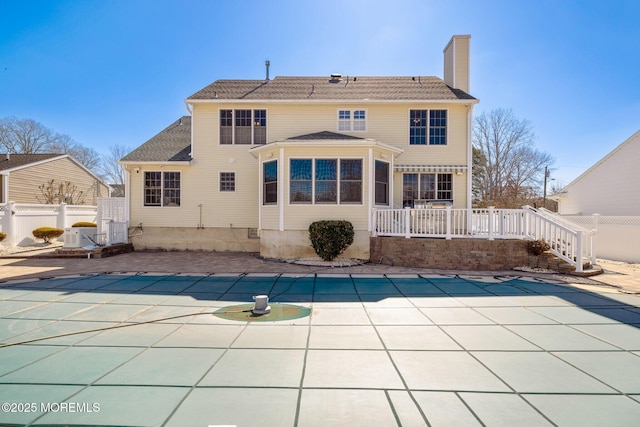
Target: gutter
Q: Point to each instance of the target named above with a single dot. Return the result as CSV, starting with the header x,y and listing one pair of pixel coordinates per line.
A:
x,y
332,101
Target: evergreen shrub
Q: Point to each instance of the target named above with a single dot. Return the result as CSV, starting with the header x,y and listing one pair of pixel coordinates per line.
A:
x,y
47,233
330,238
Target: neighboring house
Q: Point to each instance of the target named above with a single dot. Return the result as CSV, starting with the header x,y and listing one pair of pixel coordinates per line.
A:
x,y
22,175
610,187
257,161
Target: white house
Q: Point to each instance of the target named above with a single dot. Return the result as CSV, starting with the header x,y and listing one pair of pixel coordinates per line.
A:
x,y
609,187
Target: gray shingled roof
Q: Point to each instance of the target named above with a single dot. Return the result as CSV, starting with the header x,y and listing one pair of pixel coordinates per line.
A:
x,y
326,88
324,135
18,160
172,144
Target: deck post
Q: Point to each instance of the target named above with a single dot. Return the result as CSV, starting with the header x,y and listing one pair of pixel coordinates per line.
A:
x,y
579,245
448,224
490,221
374,222
407,223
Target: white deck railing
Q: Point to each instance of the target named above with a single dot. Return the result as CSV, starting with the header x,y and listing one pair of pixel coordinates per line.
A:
x,y
572,244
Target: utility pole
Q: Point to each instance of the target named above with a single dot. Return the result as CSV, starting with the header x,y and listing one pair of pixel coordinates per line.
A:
x,y
544,198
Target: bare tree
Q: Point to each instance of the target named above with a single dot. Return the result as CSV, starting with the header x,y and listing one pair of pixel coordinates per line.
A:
x,y
87,156
26,136
510,168
62,192
111,171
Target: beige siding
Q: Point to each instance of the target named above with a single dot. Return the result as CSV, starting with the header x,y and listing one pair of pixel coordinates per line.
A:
x,y
24,183
388,124
271,217
462,63
456,63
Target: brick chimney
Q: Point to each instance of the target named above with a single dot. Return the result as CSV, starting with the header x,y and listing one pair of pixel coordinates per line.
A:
x,y
456,62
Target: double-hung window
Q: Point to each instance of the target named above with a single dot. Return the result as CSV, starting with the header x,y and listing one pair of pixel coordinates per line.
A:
x,y
270,178
428,127
352,120
243,126
161,188
382,183
426,186
325,181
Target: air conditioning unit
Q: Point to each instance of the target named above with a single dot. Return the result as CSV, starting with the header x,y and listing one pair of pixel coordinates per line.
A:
x,y
76,237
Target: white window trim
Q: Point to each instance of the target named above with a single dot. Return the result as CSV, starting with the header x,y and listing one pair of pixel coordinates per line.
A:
x,y
428,126
264,183
162,205
313,181
389,183
352,120
235,182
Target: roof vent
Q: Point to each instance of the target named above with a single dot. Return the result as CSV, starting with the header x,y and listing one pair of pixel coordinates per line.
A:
x,y
335,78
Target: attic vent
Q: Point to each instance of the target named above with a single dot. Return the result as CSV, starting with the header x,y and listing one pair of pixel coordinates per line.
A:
x,y
335,78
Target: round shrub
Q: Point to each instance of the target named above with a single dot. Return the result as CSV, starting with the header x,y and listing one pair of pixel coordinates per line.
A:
x,y
330,238
47,233
2,236
84,224
537,247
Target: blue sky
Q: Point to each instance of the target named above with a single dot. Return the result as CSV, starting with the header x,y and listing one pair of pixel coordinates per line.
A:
x,y
117,71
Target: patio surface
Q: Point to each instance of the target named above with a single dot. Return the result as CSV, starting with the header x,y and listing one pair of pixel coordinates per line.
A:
x,y
382,345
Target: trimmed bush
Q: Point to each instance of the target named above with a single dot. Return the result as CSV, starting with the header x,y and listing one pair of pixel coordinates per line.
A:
x,y
330,238
2,236
47,233
84,224
537,247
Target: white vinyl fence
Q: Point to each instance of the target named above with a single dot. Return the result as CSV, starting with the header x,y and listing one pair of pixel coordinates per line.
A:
x,y
618,237
18,220
112,220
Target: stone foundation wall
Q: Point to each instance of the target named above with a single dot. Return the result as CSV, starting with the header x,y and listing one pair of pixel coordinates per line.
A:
x,y
455,254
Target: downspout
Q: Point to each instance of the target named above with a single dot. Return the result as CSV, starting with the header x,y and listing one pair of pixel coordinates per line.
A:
x,y
370,189
5,188
188,107
281,187
260,191
469,164
127,195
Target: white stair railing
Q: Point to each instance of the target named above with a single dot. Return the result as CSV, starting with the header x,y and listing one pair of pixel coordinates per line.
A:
x,y
568,242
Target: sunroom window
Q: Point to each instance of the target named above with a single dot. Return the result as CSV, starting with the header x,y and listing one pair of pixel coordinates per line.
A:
x,y
325,181
382,183
270,171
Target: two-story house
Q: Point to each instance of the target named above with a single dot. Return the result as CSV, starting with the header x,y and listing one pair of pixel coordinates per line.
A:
x,y
257,161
